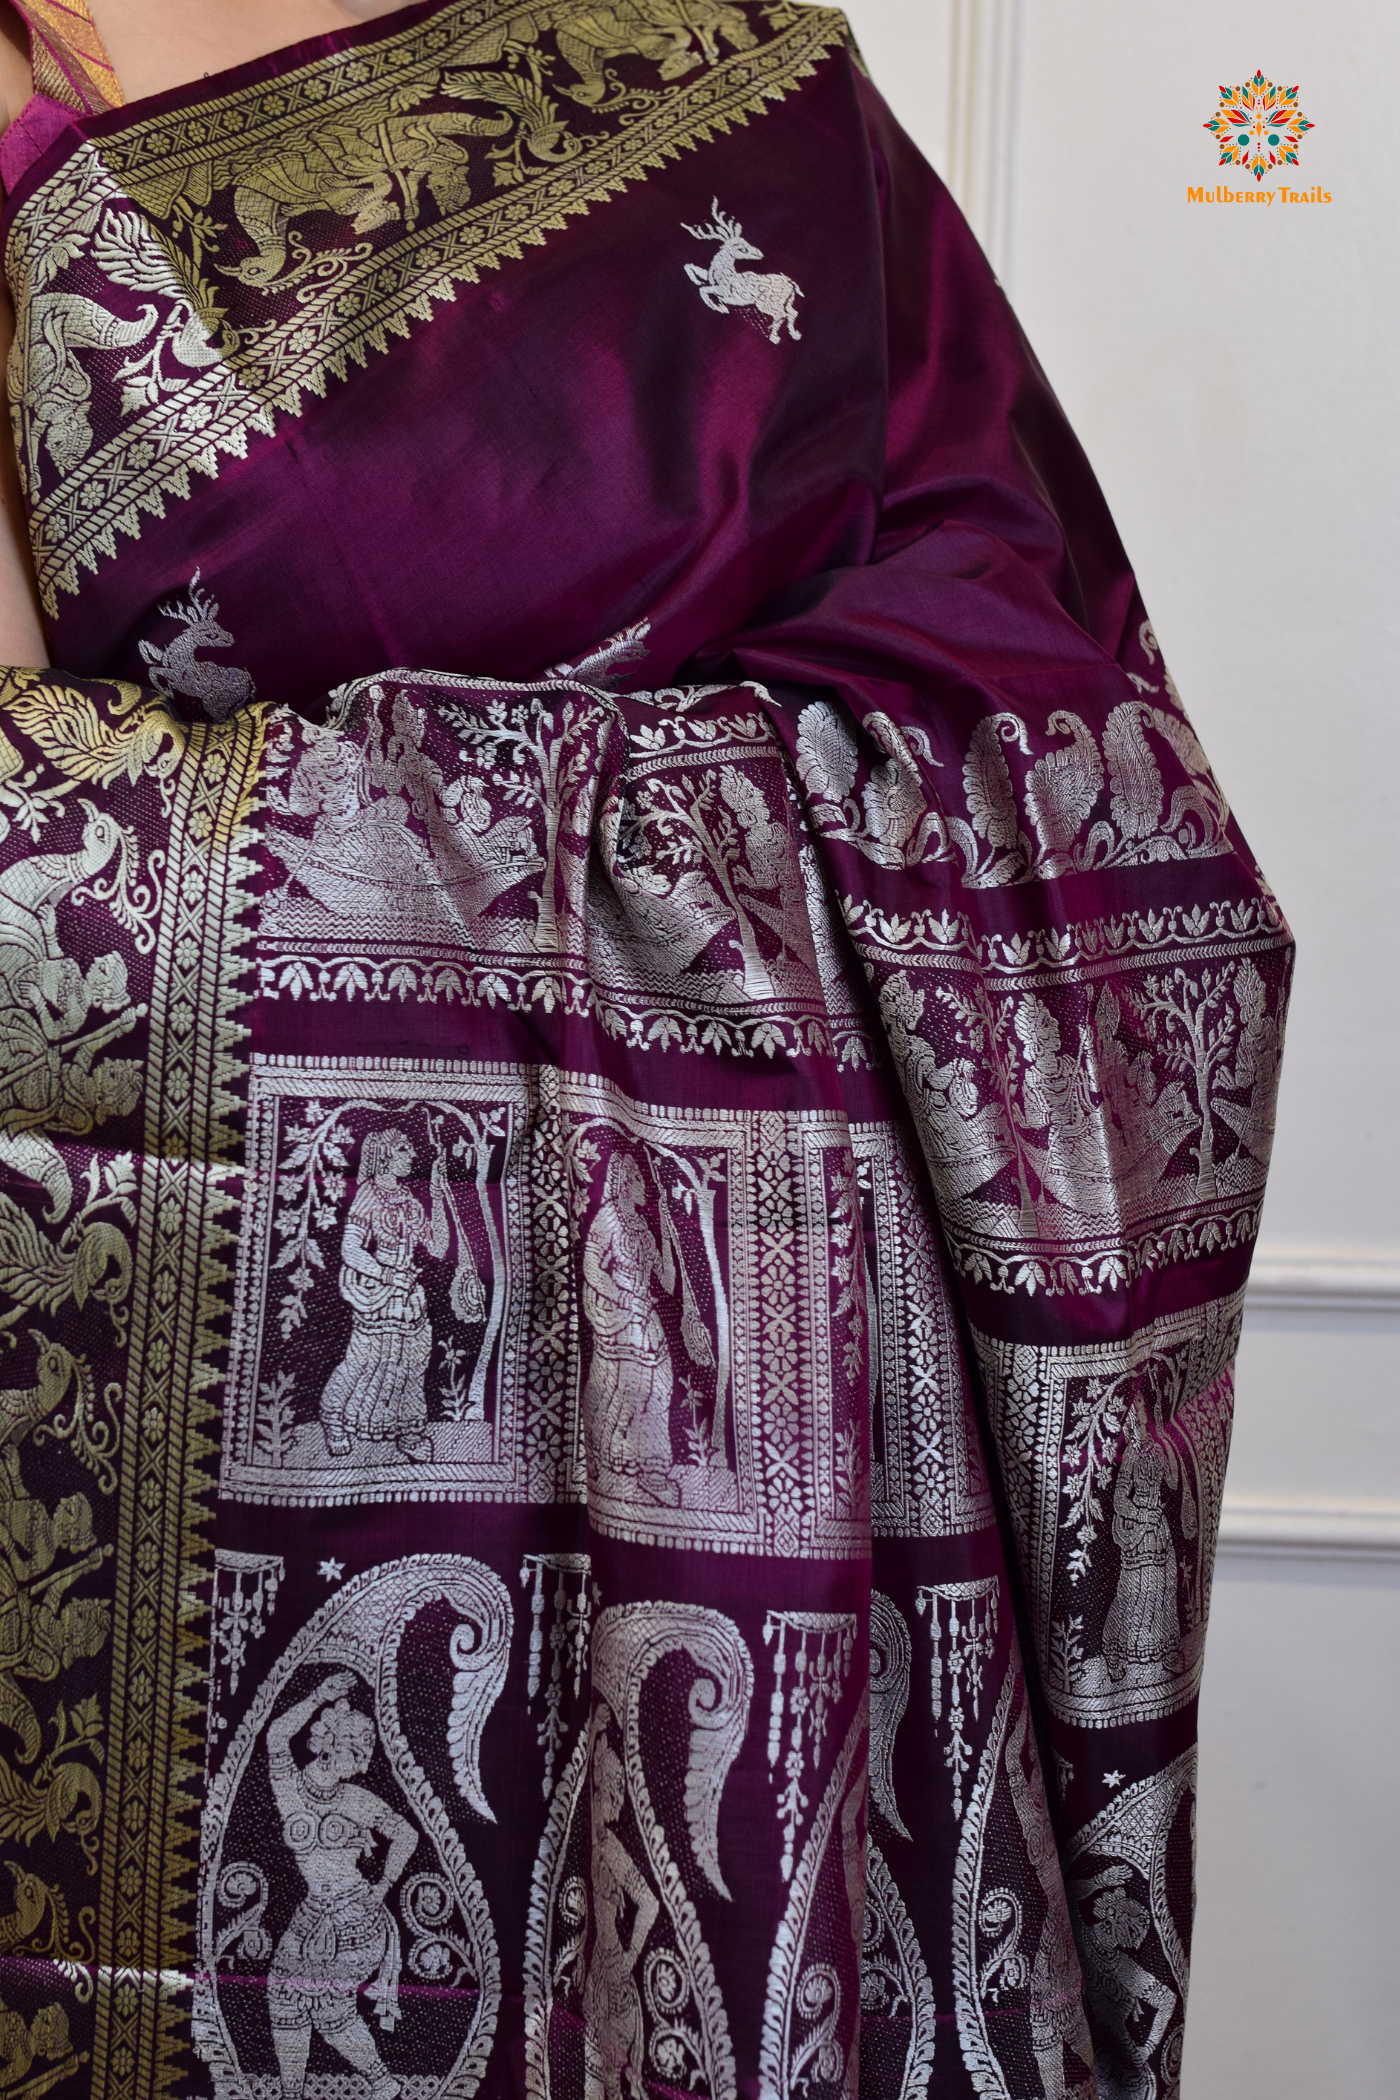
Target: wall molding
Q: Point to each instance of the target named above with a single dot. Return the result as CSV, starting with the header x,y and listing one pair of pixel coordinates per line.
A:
x,y
984,75
1287,1528
1323,1280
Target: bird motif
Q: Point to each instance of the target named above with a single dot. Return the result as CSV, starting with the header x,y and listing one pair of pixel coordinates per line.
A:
x,y
37,1904
24,1407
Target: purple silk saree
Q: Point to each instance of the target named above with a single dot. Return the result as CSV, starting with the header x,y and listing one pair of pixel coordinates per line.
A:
x,y
621,1255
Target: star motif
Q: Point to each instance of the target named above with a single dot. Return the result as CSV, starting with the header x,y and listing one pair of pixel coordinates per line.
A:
x,y
332,1570
1114,1778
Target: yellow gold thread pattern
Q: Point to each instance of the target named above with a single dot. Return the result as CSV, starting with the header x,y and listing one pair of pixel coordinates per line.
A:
x,y
160,1651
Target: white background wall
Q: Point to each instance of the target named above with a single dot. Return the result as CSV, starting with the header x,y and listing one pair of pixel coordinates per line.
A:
x,y
1233,372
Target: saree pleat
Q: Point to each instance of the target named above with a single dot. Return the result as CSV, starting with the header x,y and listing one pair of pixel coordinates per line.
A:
x,y
621,1257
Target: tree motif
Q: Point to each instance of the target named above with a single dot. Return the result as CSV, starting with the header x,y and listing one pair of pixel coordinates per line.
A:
x,y
545,763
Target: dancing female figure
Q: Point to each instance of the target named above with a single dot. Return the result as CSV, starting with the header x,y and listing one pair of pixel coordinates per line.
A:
x,y
614,2033
341,1936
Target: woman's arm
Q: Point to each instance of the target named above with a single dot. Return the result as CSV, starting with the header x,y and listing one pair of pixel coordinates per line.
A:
x,y
16,79
21,624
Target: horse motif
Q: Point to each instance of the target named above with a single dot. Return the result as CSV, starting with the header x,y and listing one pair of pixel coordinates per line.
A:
x,y
772,296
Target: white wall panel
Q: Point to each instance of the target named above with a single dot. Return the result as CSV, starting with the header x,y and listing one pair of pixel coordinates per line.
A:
x,y
1232,373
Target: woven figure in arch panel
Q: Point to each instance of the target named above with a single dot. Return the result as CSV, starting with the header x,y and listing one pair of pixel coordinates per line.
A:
x,y
637,1065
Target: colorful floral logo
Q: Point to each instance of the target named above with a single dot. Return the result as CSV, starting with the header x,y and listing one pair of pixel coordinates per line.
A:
x,y
1259,126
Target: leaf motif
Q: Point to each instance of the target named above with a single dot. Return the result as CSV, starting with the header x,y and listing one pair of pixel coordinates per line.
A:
x,y
1064,785
67,727
127,253
991,804
1135,784
10,760
1249,996
826,753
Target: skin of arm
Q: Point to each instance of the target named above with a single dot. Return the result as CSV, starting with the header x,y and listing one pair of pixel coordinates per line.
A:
x,y
21,624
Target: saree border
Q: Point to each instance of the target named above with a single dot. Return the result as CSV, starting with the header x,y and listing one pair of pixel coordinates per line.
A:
x,y
359,307
168,1467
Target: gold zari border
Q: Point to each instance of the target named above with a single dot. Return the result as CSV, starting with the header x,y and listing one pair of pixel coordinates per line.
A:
x,y
167,1478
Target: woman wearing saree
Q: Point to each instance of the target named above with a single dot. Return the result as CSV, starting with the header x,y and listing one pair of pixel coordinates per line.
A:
x,y
605,671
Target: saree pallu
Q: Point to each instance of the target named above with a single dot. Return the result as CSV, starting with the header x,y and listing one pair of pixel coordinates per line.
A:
x,y
621,1257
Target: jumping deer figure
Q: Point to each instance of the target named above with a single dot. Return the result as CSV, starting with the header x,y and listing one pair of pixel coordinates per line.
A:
x,y
723,286
219,688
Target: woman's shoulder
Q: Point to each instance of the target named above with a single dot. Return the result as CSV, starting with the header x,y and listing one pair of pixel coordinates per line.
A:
x,y
52,53
16,78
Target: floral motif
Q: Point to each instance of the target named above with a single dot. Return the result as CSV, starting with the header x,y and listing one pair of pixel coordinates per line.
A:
x,y
1258,126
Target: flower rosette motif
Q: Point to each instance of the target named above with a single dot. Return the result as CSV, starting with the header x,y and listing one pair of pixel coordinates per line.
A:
x,y
1258,126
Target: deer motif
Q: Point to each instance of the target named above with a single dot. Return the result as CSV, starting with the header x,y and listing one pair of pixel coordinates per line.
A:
x,y
219,688
772,296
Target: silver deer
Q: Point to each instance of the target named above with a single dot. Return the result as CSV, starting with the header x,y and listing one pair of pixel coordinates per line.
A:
x,y
219,688
723,286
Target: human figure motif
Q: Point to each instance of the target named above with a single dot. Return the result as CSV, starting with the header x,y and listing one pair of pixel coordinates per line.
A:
x,y
377,1392
51,1078
1053,1086
476,858
363,856
1142,1625
629,1381
972,1143
1143,1123
1255,1073
1122,1989
1056,2008
43,1631
614,2034
341,1937
23,2043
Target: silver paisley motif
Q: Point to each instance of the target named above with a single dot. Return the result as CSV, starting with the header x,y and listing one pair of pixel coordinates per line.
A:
x,y
620,1989
340,1740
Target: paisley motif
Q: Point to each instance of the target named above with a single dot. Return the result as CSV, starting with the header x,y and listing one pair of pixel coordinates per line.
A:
x,y
312,1936
619,1984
